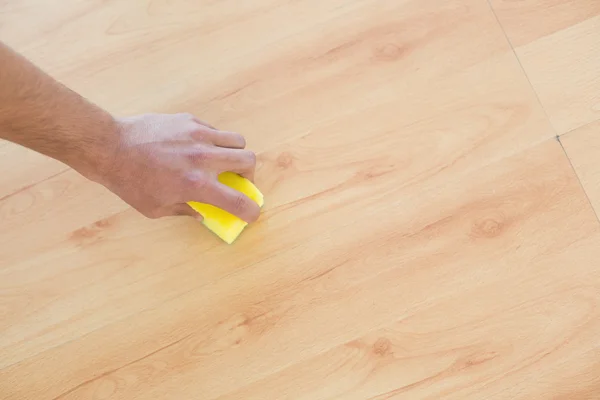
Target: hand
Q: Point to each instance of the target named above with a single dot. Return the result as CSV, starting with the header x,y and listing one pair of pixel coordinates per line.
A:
x,y
162,161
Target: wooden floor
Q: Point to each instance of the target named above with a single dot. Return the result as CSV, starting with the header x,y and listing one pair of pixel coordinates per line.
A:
x,y
432,177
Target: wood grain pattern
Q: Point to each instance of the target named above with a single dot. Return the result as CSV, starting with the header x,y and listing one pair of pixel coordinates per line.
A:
x,y
424,236
558,43
26,169
583,145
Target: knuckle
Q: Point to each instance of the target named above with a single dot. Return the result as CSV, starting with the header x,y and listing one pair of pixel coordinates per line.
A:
x,y
200,156
240,203
198,181
199,133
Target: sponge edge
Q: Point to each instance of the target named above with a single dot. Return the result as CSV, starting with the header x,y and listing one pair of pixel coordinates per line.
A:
x,y
225,225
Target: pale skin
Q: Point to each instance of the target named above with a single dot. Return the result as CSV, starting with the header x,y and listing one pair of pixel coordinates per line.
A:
x,y
154,162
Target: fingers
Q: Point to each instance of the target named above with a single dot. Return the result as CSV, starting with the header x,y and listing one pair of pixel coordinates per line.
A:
x,y
230,140
242,162
235,203
230,200
206,132
221,196
218,159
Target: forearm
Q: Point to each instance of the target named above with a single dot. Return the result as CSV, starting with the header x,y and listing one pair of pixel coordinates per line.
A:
x,y
38,112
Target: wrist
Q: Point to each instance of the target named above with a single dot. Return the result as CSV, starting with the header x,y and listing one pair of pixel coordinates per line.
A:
x,y
95,154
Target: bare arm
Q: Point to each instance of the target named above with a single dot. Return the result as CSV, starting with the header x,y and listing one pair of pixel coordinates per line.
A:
x,y
155,162
39,113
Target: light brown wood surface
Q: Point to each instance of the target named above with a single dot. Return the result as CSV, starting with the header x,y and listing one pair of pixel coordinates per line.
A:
x,y
425,234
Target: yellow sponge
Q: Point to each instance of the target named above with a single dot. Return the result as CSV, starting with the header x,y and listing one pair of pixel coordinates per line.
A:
x,y
225,225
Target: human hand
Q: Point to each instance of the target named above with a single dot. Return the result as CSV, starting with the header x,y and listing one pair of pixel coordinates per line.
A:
x,y
163,161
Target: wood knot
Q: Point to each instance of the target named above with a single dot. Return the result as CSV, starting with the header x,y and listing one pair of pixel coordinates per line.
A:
x,y
285,160
92,231
103,223
488,228
83,233
476,359
382,347
389,52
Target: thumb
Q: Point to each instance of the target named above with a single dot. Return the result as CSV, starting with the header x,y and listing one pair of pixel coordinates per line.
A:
x,y
184,209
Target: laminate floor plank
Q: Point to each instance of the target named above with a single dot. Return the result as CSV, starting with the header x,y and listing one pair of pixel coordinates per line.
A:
x,y
558,43
424,235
